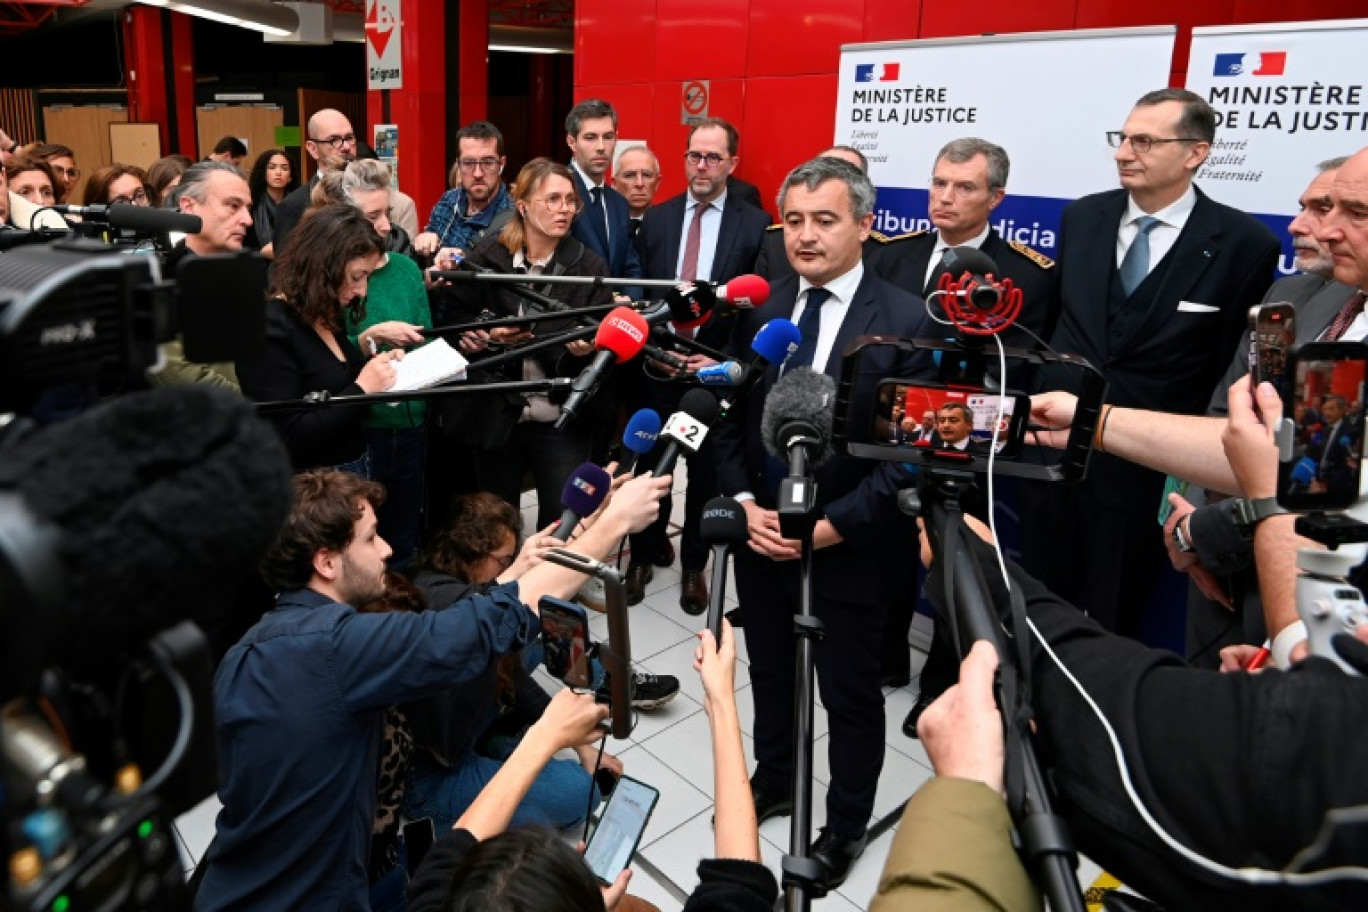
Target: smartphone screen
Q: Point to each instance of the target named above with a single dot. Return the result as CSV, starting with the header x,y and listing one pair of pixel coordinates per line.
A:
x,y
935,417
565,634
1273,332
619,831
1325,403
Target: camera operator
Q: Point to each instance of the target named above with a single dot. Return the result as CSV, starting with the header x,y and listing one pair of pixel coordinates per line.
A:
x,y
1242,771
953,849
300,701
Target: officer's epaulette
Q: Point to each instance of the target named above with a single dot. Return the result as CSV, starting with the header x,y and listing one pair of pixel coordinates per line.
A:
x,y
778,227
885,239
1034,256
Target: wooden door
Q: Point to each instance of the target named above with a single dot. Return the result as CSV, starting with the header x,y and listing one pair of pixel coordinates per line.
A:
x,y
85,129
253,124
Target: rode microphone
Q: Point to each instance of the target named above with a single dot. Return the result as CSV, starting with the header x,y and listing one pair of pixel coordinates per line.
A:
x,y
796,429
775,341
686,428
126,216
639,437
723,526
584,491
973,298
620,337
728,373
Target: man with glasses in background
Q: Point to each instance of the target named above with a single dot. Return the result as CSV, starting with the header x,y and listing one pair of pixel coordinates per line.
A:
x,y
332,143
1156,282
710,234
471,209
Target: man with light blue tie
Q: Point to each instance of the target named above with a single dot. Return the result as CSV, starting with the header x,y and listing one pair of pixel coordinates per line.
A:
x,y
1156,281
604,226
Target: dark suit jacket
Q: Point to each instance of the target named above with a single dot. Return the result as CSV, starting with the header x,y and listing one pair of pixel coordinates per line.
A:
x,y
905,261
1171,358
1316,300
617,249
290,211
859,497
746,191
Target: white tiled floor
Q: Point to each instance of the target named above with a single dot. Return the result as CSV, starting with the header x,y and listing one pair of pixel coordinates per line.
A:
x,y
671,749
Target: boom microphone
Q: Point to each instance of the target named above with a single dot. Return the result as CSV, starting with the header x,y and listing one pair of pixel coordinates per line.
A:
x,y
723,526
584,491
126,216
620,337
148,502
686,428
639,437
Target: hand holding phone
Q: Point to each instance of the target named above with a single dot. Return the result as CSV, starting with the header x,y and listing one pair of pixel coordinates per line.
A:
x,y
619,831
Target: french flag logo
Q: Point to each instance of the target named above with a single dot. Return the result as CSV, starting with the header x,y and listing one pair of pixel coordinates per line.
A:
x,y
877,72
1267,63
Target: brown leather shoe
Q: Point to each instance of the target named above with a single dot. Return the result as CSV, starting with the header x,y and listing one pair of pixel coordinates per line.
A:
x,y
693,593
638,575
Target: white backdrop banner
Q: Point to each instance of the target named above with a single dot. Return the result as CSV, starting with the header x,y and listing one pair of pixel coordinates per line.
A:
x,y
1048,98
1287,95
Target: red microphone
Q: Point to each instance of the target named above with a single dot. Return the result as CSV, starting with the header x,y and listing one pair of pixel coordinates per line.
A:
x,y
977,302
692,306
620,337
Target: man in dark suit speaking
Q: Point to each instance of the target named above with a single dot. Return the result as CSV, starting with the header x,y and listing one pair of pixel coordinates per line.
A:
x,y
706,233
1156,281
826,206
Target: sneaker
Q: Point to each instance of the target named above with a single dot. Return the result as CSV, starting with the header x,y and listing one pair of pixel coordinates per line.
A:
x,y
593,595
648,691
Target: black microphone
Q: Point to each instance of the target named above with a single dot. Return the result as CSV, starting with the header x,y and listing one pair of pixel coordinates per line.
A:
x,y
148,501
969,268
686,428
584,491
137,218
723,526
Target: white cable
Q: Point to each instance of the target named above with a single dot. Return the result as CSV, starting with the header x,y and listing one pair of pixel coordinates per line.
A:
x,y
1260,876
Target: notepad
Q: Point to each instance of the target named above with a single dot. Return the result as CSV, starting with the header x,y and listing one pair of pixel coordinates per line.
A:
x,y
427,366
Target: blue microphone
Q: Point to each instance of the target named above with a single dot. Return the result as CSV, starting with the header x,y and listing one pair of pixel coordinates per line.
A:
x,y
728,373
775,341
639,438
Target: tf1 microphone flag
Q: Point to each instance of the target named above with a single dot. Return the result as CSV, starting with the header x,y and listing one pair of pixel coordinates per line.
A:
x,y
584,491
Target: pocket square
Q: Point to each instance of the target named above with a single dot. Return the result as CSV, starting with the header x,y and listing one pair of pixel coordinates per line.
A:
x,y
1194,307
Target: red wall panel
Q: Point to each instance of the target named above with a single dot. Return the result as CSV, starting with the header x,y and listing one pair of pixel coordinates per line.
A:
x,y
793,37
1281,11
611,47
777,140
1183,13
944,20
891,20
698,39
670,136
635,106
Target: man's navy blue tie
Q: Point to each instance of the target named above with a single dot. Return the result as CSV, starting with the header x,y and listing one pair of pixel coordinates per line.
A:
x,y
810,325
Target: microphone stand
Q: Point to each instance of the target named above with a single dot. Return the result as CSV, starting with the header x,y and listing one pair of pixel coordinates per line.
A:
x,y
803,876
1046,846
595,311
617,656
323,398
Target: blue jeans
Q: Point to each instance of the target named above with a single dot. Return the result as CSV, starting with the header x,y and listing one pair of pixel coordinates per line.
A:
x,y
397,461
558,798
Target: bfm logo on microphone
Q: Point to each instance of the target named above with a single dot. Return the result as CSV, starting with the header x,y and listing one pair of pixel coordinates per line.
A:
x,y
584,486
620,324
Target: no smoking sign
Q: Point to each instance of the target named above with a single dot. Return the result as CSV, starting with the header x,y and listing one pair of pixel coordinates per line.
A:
x,y
693,100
